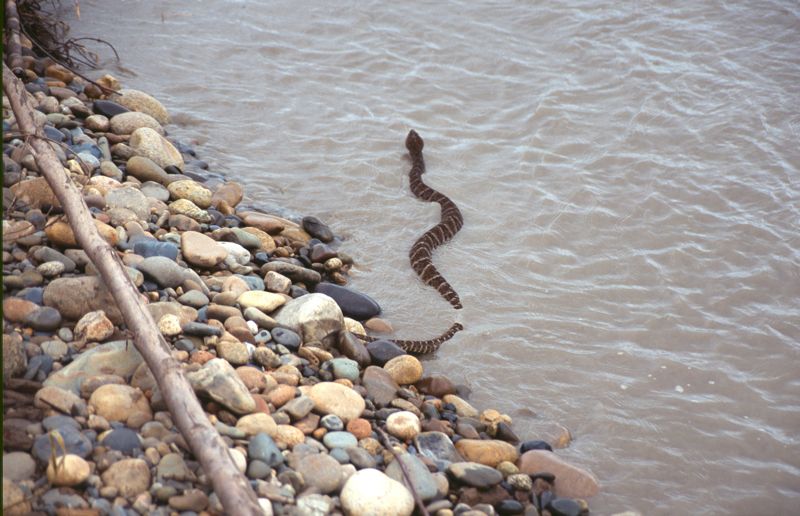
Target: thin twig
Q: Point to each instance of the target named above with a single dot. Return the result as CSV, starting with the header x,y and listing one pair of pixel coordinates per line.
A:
x,y
406,474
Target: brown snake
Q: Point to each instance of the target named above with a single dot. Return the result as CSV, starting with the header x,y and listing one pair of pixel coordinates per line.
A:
x,y
420,254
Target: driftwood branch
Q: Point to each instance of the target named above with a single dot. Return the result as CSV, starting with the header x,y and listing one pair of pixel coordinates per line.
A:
x,y
13,45
231,486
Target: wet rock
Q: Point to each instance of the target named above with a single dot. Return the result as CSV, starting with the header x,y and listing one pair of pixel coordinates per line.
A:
x,y
534,445
353,303
381,351
316,317
130,476
230,193
140,101
70,470
370,492
75,296
317,229
148,143
486,451
335,398
571,481
564,507
295,272
353,348
218,380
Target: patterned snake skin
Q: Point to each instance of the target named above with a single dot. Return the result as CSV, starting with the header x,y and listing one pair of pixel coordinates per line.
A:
x,y
420,254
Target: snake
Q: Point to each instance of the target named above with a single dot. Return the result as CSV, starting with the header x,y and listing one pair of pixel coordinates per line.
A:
x,y
420,253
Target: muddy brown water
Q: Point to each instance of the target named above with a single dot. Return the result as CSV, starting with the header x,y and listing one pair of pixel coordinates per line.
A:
x,y
628,174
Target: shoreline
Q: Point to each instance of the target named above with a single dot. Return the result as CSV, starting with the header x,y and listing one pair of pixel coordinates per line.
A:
x,y
305,407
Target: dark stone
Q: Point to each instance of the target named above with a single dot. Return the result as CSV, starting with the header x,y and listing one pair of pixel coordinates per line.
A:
x,y
15,435
39,367
147,247
317,229
46,318
296,292
254,282
263,448
437,447
286,338
201,330
184,345
92,149
292,271
353,303
474,474
381,351
361,458
48,254
505,433
436,386
564,507
534,445
321,252
74,441
60,421
124,440
108,108
53,133
351,347
474,496
32,294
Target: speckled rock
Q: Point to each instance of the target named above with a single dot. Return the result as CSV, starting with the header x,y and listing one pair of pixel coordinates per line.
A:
x,y
252,424
148,143
94,327
404,369
404,425
127,123
118,358
218,380
264,301
74,297
129,198
189,209
191,190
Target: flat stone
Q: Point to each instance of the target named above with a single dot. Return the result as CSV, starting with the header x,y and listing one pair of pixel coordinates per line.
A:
x,y
370,492
344,368
192,500
230,192
339,440
571,481
294,272
233,351
108,108
404,425
44,319
173,467
60,399
145,169
266,302
299,407
317,229
18,310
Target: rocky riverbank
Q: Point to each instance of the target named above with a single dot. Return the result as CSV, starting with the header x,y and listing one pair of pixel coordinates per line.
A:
x,y
318,420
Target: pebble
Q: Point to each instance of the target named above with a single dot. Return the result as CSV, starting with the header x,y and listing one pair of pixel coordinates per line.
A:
x,y
339,440
253,424
404,425
263,448
75,443
218,380
352,303
571,481
332,423
321,472
344,368
381,351
148,143
201,250
94,326
68,470
404,369
129,476
422,480
371,492
266,302
120,403
474,474
123,439
167,273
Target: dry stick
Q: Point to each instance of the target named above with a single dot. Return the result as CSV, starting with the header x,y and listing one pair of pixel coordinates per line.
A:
x,y
231,486
13,46
403,469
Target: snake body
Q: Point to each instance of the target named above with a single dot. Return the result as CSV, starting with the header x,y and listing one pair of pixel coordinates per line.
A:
x,y
420,254
452,220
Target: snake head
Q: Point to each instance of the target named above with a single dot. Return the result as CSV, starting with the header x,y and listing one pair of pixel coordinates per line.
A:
x,y
414,142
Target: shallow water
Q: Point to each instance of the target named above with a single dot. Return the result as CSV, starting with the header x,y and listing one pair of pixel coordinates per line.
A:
x,y
629,264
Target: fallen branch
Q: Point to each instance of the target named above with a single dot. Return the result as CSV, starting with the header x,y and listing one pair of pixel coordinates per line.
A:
x,y
231,486
403,469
